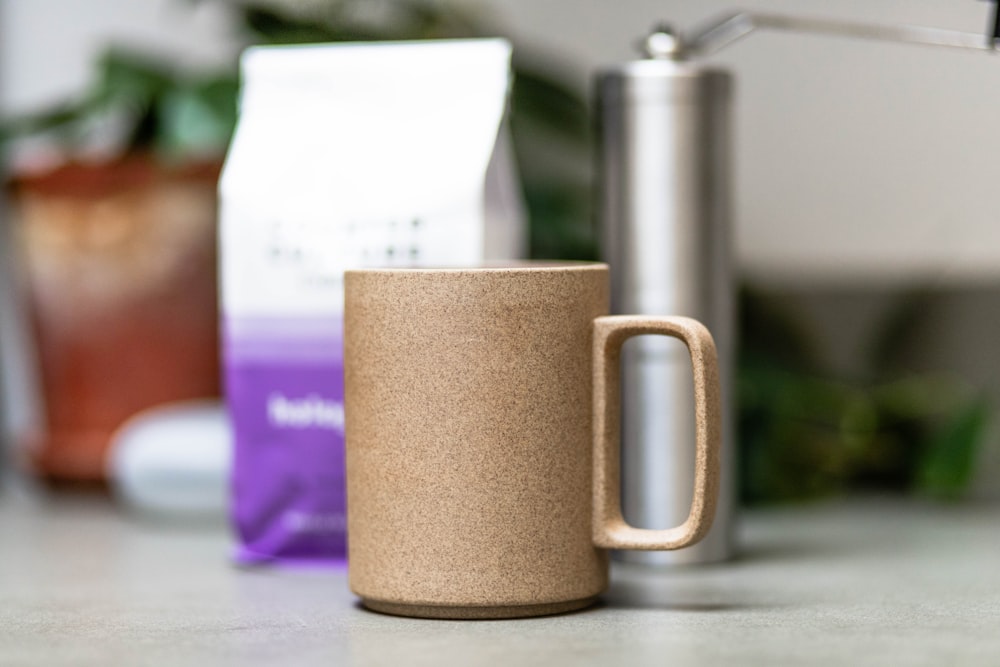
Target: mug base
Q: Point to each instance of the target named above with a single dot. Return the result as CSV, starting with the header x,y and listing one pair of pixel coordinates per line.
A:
x,y
460,612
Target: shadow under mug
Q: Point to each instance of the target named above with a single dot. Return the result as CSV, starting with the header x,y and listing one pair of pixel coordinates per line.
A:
x,y
482,418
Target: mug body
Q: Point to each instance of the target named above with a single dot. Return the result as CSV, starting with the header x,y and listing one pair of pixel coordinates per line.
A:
x,y
469,423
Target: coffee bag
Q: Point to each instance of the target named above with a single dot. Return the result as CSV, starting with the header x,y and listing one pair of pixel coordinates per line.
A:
x,y
345,156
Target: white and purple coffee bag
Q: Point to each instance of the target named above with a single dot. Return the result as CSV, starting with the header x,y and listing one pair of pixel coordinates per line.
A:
x,y
345,156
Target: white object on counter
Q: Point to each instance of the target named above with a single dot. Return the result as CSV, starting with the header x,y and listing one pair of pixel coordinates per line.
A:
x,y
174,460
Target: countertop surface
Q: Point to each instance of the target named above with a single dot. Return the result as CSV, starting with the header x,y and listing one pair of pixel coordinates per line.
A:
x,y
873,581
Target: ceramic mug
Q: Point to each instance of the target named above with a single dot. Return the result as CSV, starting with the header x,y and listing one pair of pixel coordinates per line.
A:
x,y
482,435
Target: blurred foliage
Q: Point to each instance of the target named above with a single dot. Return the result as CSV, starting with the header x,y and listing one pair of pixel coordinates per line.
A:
x,y
147,104
805,433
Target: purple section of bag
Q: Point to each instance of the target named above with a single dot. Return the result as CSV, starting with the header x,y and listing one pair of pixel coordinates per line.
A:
x,y
285,393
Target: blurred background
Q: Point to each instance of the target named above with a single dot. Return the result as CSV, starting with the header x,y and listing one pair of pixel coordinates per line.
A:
x,y
867,251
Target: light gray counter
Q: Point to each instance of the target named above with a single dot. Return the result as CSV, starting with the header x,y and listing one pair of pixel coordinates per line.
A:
x,y
862,582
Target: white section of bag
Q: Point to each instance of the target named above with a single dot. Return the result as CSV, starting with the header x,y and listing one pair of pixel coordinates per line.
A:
x,y
362,154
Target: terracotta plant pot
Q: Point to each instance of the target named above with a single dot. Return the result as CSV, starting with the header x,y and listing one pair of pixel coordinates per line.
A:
x,y
120,271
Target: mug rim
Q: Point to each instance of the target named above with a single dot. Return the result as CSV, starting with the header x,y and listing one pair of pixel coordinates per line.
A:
x,y
500,266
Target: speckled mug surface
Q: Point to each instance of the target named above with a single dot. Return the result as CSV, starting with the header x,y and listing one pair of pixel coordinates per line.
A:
x,y
482,438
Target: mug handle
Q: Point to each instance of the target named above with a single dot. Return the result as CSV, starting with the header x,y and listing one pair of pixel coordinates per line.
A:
x,y
609,528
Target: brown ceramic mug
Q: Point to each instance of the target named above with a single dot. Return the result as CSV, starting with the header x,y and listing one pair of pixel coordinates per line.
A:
x,y
482,417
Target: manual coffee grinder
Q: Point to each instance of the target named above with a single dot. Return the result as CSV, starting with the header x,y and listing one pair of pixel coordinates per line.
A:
x,y
664,126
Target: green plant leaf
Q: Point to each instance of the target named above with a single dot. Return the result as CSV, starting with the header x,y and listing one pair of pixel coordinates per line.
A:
x,y
269,26
56,119
542,100
196,119
947,462
891,341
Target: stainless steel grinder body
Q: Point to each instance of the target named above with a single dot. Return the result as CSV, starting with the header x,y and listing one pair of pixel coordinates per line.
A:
x,y
664,129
